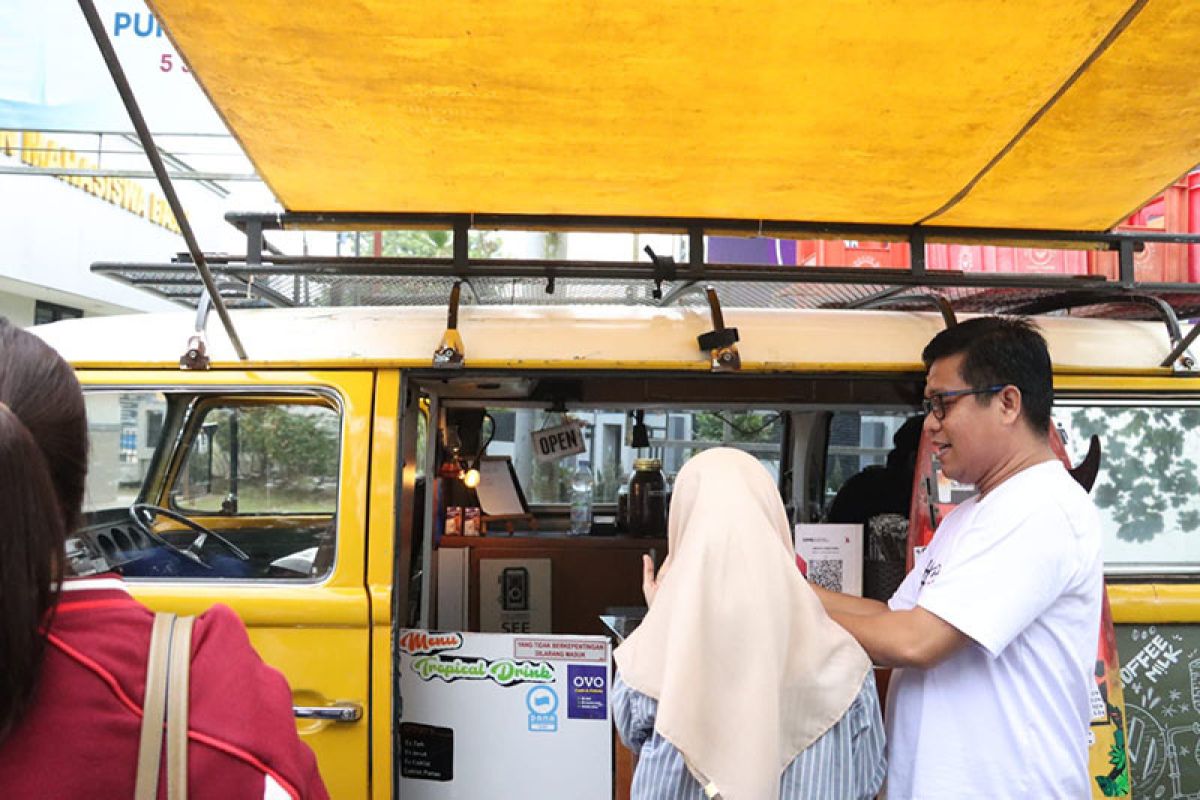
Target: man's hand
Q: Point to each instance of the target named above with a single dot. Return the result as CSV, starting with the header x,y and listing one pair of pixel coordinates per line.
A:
x,y
912,638
649,581
838,603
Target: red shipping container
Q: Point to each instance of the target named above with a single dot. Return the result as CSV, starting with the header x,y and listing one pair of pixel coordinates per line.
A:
x,y
1156,263
960,257
1193,211
852,253
988,258
1039,260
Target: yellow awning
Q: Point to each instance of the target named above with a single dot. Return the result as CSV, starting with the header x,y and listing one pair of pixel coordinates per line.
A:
x,y
1014,113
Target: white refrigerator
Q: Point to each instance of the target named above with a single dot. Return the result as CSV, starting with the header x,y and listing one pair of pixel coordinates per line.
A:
x,y
499,716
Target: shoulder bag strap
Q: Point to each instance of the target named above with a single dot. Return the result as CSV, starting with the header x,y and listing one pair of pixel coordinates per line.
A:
x,y
153,707
177,709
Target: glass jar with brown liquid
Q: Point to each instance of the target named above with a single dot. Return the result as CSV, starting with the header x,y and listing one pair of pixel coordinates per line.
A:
x,y
647,499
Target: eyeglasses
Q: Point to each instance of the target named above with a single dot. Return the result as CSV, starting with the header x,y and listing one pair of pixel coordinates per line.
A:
x,y
936,403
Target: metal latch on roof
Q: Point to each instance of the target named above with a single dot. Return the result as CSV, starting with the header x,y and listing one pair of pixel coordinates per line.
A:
x,y
196,354
1181,358
450,352
720,342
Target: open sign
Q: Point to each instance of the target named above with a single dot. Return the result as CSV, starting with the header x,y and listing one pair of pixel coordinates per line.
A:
x,y
551,444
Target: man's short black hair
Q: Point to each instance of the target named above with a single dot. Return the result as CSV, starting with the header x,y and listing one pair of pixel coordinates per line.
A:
x,y
1001,350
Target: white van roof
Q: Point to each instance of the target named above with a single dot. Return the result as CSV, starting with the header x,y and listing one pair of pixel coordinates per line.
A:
x,y
586,337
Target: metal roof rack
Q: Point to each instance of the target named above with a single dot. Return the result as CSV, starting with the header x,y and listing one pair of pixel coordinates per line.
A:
x,y
266,277
523,282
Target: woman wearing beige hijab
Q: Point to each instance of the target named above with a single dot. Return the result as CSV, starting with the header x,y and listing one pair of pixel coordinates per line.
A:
x,y
737,684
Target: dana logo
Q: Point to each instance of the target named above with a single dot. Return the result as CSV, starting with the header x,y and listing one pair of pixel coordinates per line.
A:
x,y
419,643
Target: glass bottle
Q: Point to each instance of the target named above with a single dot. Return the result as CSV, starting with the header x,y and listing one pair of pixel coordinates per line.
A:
x,y
647,499
581,499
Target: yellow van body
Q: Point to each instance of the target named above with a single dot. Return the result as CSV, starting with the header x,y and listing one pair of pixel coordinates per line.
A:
x,y
332,637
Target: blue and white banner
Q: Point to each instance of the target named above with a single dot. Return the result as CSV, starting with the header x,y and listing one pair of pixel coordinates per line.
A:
x,y
53,78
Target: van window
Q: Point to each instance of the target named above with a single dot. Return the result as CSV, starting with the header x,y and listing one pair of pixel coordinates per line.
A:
x,y
1147,490
857,441
184,486
124,429
271,458
674,437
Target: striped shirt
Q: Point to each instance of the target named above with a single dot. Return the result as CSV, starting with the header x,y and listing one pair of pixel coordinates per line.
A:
x,y
846,763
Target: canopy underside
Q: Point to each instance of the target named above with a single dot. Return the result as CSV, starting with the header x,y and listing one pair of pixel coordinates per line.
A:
x,y
996,113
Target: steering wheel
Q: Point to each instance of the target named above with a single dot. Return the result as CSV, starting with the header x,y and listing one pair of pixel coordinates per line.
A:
x,y
143,515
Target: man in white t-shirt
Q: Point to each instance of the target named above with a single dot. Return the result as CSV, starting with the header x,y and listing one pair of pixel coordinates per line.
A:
x,y
994,632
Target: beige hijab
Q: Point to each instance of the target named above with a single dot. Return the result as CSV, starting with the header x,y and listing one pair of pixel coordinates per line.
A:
x,y
747,668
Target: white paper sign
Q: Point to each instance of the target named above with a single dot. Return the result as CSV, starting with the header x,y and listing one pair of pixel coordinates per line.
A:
x,y
496,491
834,554
551,444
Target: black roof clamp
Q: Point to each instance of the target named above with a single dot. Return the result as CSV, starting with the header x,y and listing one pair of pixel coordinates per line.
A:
x,y
664,270
720,342
450,352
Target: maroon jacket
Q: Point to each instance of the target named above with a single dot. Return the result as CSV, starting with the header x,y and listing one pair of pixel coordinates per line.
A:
x,y
80,735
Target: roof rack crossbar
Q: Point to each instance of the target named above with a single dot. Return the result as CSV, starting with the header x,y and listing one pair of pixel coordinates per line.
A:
x,y
916,252
676,292
896,295
433,267
691,226
462,241
1064,302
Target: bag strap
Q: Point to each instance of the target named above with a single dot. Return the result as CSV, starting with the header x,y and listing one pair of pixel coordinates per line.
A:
x,y
177,709
153,709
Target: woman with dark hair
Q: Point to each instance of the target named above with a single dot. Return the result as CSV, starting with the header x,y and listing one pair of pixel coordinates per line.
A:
x,y
74,651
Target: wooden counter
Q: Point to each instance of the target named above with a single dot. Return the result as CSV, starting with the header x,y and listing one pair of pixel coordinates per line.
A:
x,y
589,573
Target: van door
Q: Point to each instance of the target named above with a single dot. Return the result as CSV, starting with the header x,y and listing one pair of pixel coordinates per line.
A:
x,y
249,489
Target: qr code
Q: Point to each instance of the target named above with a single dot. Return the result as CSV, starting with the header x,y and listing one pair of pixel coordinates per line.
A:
x,y
826,573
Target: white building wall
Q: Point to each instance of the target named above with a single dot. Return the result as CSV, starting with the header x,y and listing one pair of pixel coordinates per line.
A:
x,y
16,308
52,232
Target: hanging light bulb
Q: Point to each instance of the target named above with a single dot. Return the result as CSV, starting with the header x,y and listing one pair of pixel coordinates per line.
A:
x,y
470,478
469,470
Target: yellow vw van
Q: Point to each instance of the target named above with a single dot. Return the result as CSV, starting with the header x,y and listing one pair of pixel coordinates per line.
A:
x,y
314,465
296,486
